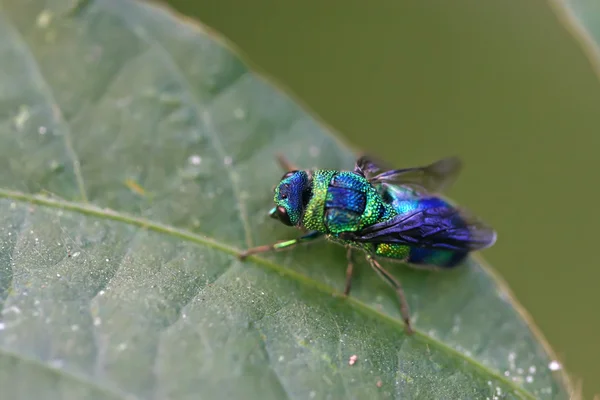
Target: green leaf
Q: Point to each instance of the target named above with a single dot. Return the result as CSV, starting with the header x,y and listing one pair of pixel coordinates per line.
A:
x,y
137,157
582,18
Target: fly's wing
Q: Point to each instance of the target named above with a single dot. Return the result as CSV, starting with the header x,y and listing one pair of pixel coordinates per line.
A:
x,y
441,227
433,178
368,167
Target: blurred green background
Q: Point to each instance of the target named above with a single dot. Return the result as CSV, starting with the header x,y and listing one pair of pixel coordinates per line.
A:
x,y
501,84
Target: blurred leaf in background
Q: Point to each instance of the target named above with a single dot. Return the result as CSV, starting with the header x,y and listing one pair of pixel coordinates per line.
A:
x,y
136,153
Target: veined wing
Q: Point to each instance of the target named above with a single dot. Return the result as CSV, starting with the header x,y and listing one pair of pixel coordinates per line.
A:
x,y
434,224
433,178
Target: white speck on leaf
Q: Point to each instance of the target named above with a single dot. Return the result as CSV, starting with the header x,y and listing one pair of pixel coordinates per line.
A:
x,y
76,254
42,130
22,117
2,326
227,160
195,159
529,379
532,369
97,321
43,19
511,360
554,365
54,165
11,310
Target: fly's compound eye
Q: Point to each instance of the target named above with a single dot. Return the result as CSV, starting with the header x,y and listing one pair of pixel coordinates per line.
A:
x,y
288,174
283,216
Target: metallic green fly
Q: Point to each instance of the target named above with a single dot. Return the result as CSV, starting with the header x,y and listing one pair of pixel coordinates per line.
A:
x,y
396,215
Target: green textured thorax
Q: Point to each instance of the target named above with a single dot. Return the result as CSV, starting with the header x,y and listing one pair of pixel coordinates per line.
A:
x,y
314,215
315,218
318,217
376,210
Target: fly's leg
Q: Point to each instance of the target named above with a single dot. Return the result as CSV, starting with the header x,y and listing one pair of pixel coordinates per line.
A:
x,y
285,164
349,271
284,245
404,310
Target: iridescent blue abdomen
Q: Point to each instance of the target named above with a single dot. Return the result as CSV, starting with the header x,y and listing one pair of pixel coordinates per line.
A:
x,y
404,201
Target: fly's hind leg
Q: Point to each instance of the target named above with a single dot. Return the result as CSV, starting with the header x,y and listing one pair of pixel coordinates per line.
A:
x,y
284,245
404,310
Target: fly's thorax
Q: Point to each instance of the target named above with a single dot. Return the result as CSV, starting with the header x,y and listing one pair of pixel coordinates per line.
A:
x,y
292,195
343,201
313,218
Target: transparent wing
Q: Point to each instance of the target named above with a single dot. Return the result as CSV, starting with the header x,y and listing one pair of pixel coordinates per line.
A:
x,y
436,225
369,167
433,178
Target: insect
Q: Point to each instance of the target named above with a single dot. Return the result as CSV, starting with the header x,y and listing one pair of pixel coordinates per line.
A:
x,y
396,215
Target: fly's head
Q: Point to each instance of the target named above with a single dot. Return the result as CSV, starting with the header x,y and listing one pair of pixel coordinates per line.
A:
x,y
292,194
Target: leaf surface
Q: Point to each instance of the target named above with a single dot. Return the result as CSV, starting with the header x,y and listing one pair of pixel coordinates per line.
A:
x,y
137,157
582,18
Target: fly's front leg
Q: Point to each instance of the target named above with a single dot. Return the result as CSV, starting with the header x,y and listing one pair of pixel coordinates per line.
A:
x,y
283,245
349,271
404,310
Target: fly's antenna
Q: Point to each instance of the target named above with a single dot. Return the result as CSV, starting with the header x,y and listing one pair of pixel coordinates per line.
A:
x,y
285,164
